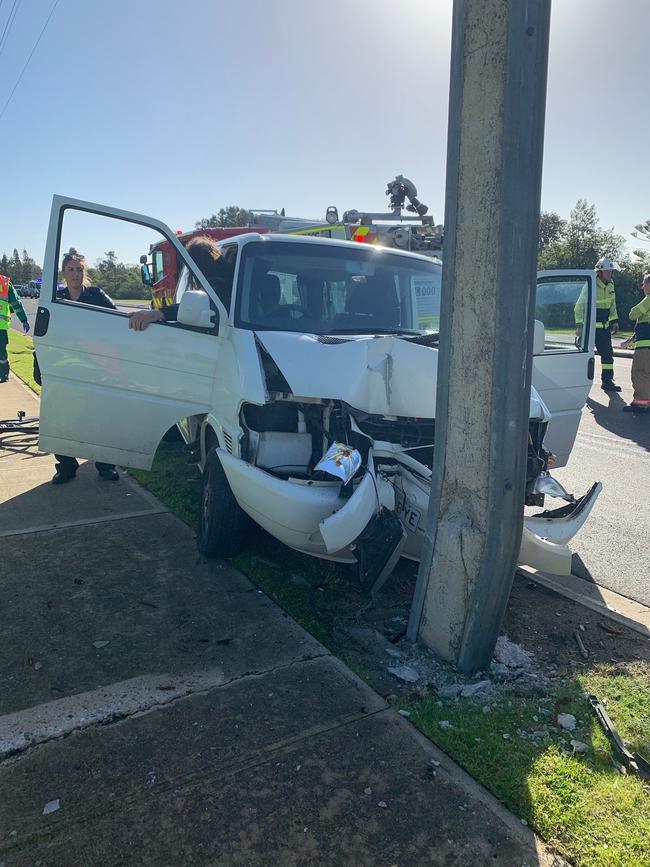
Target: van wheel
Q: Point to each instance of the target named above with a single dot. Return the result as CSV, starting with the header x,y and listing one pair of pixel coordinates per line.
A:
x,y
223,524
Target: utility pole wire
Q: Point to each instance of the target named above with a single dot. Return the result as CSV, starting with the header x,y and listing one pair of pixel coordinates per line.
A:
x,y
31,54
8,24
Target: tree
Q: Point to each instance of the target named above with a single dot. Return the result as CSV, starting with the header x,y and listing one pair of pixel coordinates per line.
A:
x,y
20,271
580,242
230,216
117,279
642,234
30,269
550,228
15,271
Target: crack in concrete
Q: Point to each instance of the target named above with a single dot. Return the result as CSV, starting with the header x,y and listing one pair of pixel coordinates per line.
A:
x,y
24,730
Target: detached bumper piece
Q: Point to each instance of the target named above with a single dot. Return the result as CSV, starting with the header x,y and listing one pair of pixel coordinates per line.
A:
x,y
561,525
378,548
545,537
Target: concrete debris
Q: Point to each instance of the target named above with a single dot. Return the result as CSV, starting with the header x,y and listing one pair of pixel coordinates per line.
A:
x,y
382,804
471,689
394,652
566,721
100,644
405,713
404,672
367,791
511,655
450,690
51,807
579,746
445,724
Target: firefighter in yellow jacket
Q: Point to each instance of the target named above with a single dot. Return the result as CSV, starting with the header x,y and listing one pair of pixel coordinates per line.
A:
x,y
9,303
640,314
606,320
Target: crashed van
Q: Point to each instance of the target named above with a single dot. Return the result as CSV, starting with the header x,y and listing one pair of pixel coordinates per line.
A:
x,y
306,387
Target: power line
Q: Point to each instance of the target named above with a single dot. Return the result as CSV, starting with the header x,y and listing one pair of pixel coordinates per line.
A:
x,y
8,24
31,54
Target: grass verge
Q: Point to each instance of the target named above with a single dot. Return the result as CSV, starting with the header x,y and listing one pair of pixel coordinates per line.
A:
x,y
21,358
579,803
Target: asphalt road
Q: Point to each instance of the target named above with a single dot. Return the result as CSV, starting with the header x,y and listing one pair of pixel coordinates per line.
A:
x,y
30,306
613,548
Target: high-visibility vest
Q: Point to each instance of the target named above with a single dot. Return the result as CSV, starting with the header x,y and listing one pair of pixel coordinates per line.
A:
x,y
605,303
641,313
5,309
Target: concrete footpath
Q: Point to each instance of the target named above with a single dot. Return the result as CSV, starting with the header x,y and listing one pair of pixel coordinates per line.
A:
x,y
156,708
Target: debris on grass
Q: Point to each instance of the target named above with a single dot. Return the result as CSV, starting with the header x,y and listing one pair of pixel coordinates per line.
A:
x,y
404,672
566,721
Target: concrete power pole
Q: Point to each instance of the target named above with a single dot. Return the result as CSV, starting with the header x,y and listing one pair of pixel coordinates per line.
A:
x,y
494,163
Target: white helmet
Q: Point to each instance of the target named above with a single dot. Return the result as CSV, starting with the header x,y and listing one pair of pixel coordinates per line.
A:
x,y
606,264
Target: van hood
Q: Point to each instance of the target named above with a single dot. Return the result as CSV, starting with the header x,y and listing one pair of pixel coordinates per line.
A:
x,y
382,375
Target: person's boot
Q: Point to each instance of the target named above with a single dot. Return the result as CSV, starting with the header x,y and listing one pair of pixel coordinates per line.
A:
x,y
61,477
109,474
610,385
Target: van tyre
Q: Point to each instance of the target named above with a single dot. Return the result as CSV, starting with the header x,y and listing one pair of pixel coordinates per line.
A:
x,y
223,524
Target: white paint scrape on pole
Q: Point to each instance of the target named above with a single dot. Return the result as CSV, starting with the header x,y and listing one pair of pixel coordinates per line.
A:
x,y
494,162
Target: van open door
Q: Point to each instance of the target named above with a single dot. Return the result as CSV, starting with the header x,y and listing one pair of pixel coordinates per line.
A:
x,y
110,393
563,371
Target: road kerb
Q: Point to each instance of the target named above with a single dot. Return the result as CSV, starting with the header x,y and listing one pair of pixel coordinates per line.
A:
x,y
612,605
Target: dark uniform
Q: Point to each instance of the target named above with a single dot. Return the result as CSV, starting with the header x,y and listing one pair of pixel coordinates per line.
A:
x,y
606,316
66,467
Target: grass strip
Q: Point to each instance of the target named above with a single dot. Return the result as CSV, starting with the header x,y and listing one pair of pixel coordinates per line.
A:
x,y
21,358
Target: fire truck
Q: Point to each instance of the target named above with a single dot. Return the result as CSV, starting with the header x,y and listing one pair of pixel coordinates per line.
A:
x,y
414,231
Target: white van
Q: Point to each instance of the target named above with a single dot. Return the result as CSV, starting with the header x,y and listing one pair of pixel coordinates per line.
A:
x,y
309,385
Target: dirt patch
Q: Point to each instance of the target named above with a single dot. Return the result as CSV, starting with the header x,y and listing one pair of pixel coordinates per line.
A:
x,y
538,648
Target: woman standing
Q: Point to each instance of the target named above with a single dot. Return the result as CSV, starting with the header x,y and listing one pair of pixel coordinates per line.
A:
x,y
77,288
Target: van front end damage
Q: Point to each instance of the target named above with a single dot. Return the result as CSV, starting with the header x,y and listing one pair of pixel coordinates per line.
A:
x,y
279,476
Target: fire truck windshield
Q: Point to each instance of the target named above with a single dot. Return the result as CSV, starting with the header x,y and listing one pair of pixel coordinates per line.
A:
x,y
322,289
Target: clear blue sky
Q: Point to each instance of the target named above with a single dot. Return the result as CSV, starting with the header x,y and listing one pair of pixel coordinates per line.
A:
x,y
176,109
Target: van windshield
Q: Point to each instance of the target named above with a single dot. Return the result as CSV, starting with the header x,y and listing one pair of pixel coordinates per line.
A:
x,y
323,289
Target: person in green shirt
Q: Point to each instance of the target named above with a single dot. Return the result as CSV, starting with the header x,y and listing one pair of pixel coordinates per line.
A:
x,y
9,303
641,360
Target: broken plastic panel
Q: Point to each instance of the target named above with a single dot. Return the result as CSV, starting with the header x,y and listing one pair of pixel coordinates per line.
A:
x,y
546,484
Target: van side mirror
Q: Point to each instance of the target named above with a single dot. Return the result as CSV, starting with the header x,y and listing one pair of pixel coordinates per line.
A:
x,y
539,338
145,273
195,310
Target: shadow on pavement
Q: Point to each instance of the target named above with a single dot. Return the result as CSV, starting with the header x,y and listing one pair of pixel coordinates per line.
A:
x,y
627,425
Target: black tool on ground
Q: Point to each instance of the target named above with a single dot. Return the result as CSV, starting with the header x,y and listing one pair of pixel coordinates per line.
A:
x,y
22,424
632,761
